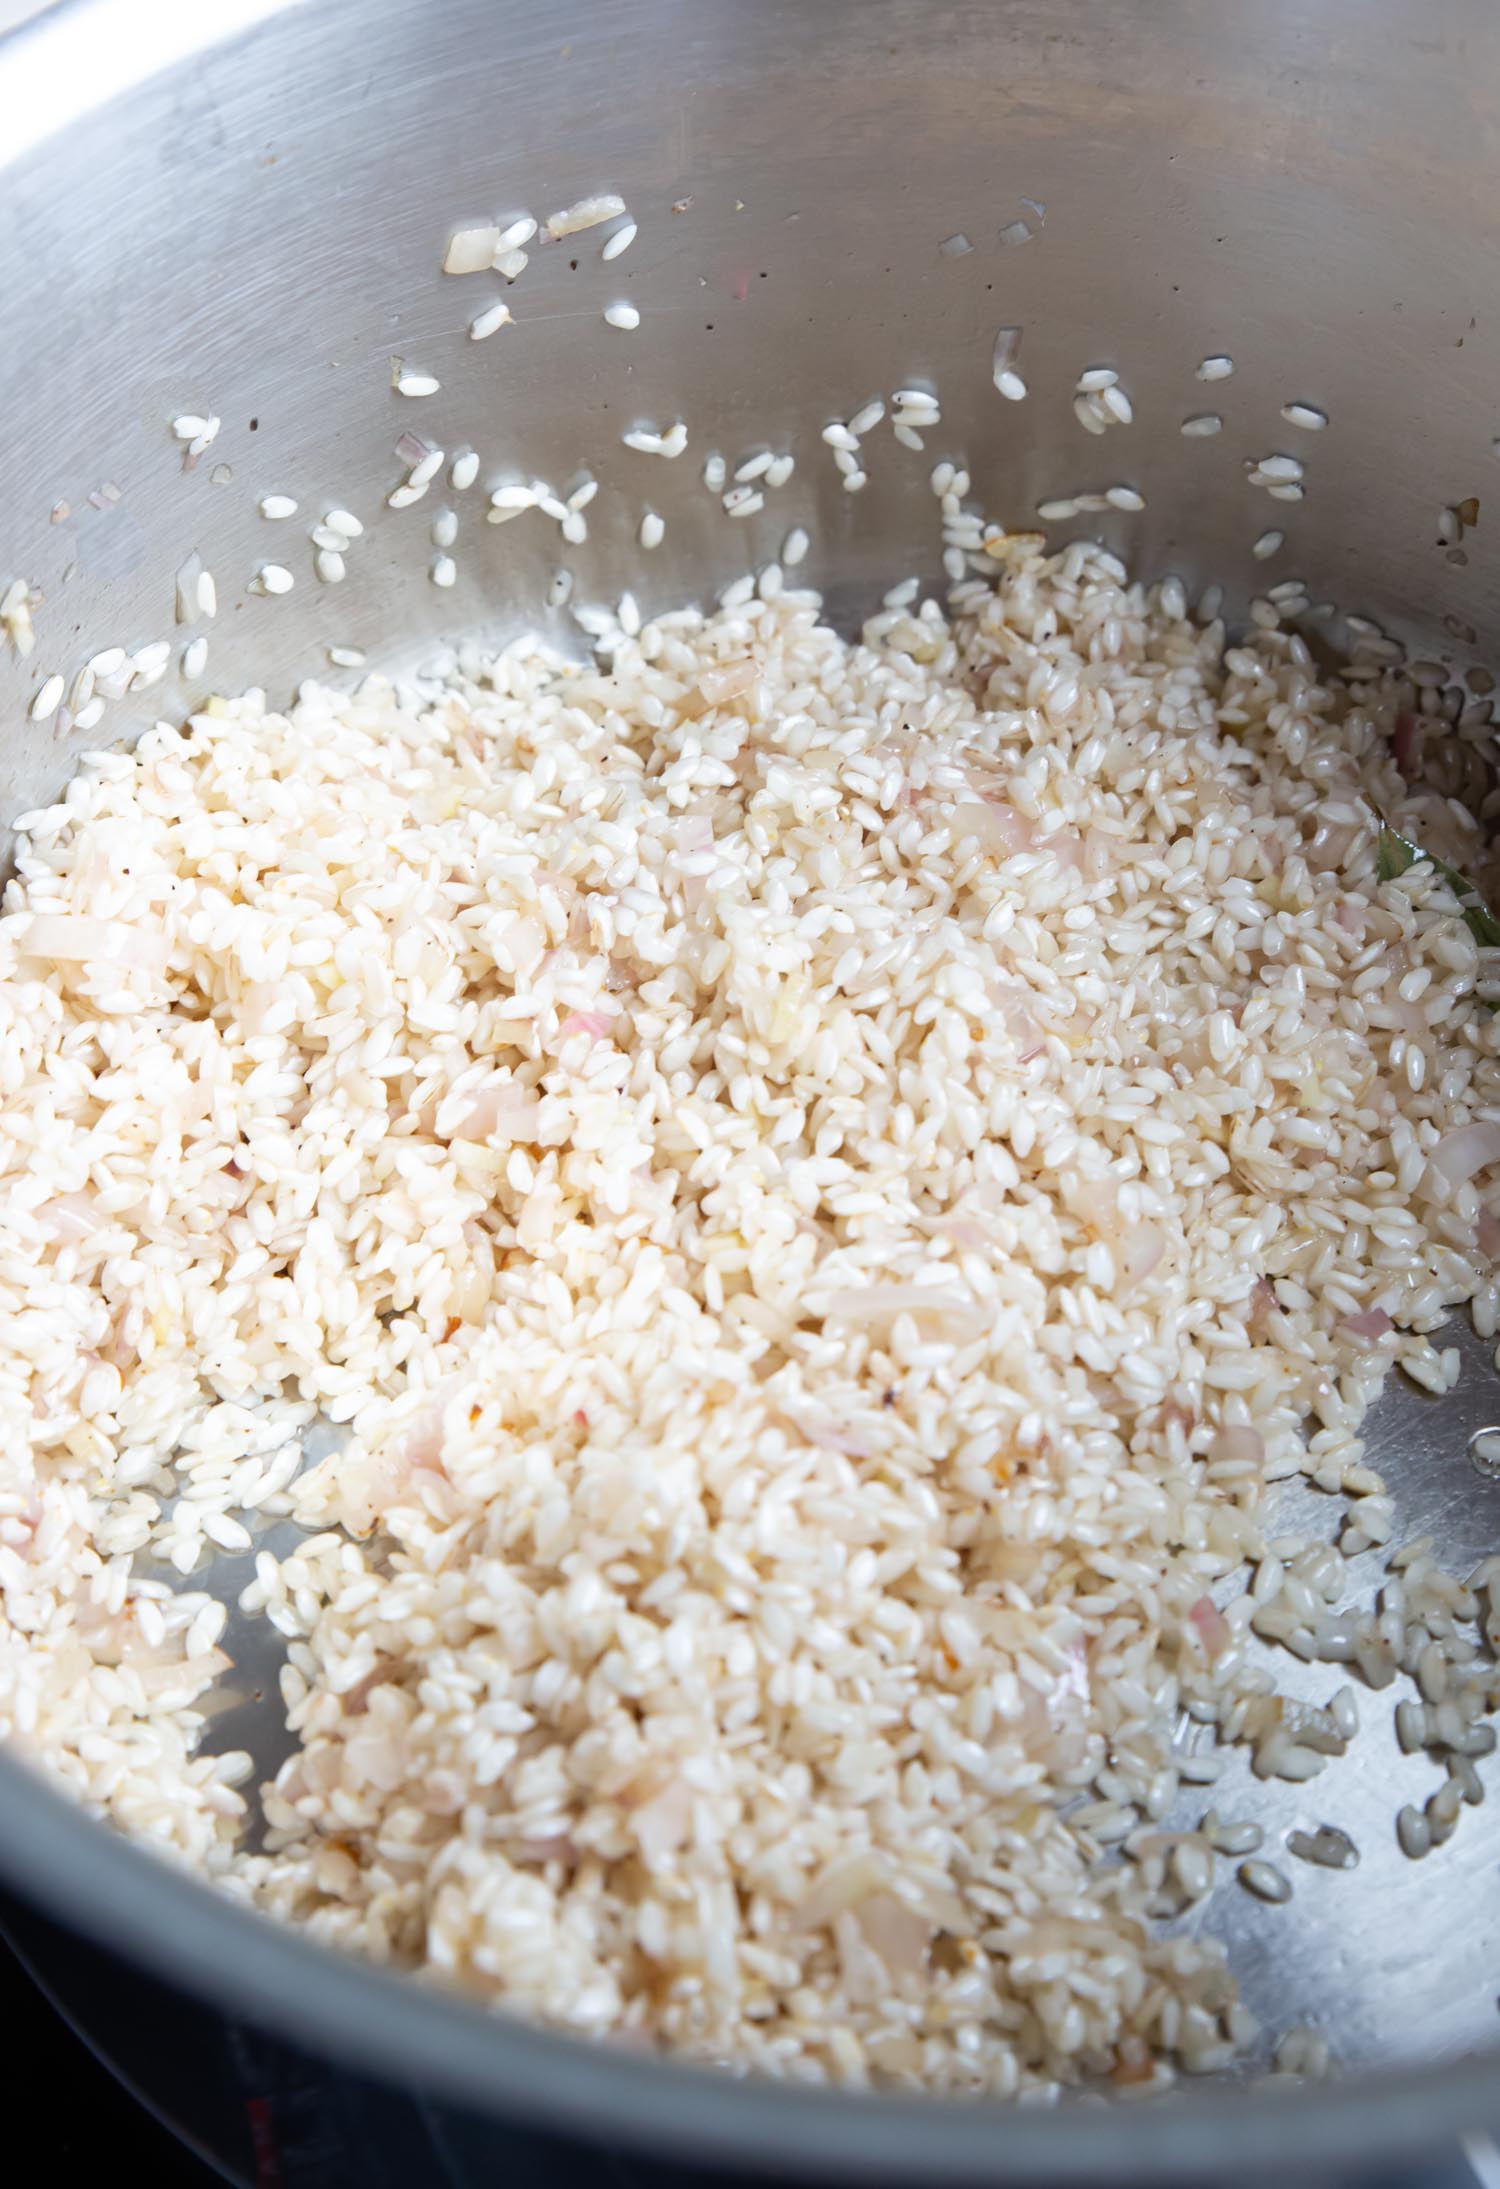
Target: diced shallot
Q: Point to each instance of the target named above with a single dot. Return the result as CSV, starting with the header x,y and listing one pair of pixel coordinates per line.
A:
x,y
73,1216
1470,1149
1330,846
370,1486
1073,1680
1407,1011
846,1881
829,1437
1068,848
587,213
993,825
1101,854
1133,2063
1020,1023
900,1935
356,1699
1140,1247
1370,1322
1211,1627
1263,1305
1238,1444
664,1823
717,686
1406,746
1137,1247
728,680
521,945
592,1023
470,250
957,1318
964,1233
505,1108
1094,1200
75,937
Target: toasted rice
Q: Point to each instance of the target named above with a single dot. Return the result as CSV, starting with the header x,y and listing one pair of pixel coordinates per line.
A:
x,y
774,1148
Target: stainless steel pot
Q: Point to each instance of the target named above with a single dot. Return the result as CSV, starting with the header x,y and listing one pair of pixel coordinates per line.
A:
x,y
243,213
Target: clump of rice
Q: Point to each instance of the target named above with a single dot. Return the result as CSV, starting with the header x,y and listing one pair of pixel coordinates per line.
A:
x,y
823,1181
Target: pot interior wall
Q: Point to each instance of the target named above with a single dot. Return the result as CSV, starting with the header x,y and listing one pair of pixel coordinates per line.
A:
x,y
254,229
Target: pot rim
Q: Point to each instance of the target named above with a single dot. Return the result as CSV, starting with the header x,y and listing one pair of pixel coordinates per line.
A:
x,y
63,61
191,1933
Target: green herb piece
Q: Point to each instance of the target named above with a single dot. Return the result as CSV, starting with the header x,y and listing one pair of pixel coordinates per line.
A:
x,y
1394,853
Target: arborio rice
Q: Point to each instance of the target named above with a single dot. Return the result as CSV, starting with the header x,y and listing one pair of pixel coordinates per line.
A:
x,y
823,1180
